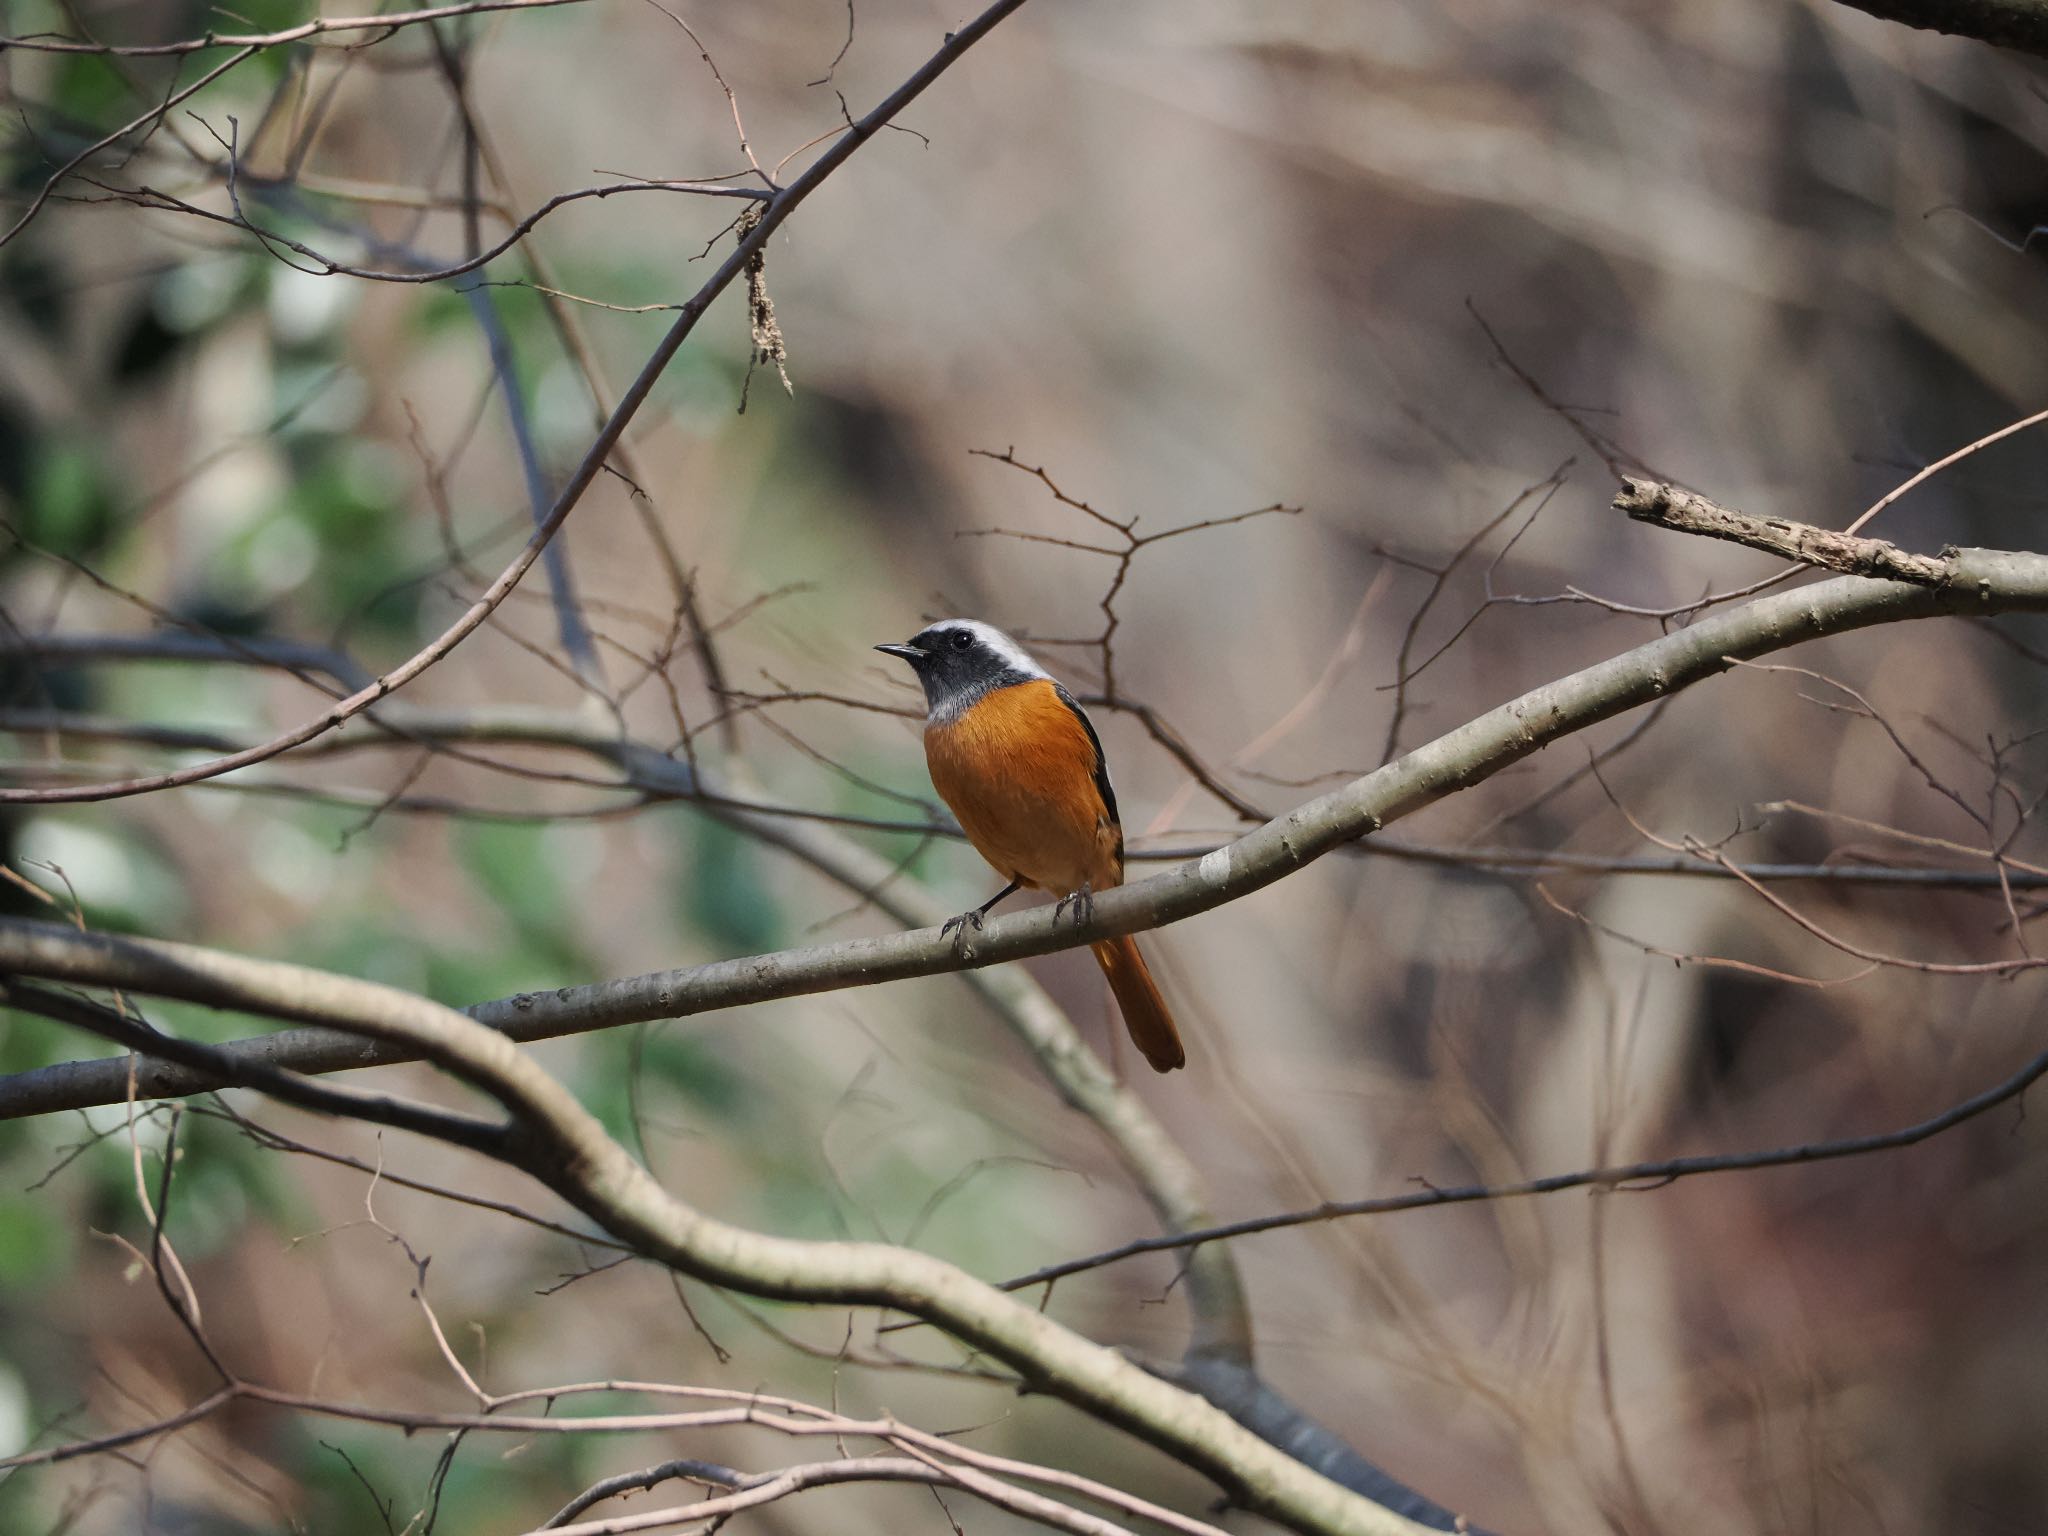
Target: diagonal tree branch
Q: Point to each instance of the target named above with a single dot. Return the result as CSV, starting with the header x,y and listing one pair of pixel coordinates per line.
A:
x,y
2017,24
1978,583
773,213
1972,581
1221,1317
555,1140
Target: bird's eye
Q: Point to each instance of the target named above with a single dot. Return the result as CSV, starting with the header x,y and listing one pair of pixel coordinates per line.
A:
x,y
962,640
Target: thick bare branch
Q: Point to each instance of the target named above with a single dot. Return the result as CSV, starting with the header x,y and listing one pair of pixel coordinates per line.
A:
x,y
1668,506
1648,501
1980,582
559,1143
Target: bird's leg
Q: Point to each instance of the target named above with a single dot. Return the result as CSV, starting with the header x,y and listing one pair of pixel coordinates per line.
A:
x,y
973,919
1082,901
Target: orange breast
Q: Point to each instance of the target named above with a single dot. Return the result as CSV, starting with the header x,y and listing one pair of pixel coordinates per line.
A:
x,y
1018,770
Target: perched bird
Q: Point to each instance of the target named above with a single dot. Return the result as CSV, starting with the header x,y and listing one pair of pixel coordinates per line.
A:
x,y
1020,765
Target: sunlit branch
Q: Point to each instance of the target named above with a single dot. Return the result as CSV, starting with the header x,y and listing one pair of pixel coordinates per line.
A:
x,y
559,1143
1984,581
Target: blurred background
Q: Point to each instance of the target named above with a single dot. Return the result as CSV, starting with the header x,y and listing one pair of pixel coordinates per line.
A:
x,y
1411,268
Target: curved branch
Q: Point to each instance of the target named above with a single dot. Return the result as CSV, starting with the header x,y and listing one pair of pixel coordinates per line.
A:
x,y
1174,1186
1168,1178
1980,582
561,1144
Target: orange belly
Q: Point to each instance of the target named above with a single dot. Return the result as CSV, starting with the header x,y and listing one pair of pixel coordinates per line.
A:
x,y
1018,769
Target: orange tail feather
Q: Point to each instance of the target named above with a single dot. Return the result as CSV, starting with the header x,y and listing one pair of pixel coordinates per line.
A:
x,y
1144,1010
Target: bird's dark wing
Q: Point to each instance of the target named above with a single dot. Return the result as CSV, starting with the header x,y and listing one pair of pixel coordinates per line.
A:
x,y
1101,762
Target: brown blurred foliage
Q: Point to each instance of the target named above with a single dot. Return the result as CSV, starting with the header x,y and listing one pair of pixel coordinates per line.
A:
x,y
1193,259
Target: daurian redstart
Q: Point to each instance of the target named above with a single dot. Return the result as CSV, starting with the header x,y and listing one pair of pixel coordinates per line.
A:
x,y
1013,755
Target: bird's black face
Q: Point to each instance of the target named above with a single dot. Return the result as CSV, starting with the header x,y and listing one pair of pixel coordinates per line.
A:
x,y
959,660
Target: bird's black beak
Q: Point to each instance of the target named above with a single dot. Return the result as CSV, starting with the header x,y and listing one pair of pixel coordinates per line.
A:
x,y
909,653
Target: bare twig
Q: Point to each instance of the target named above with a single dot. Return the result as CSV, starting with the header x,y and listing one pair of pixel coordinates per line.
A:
x,y
1686,512
779,208
1653,1173
321,26
1128,543
1944,462
146,120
